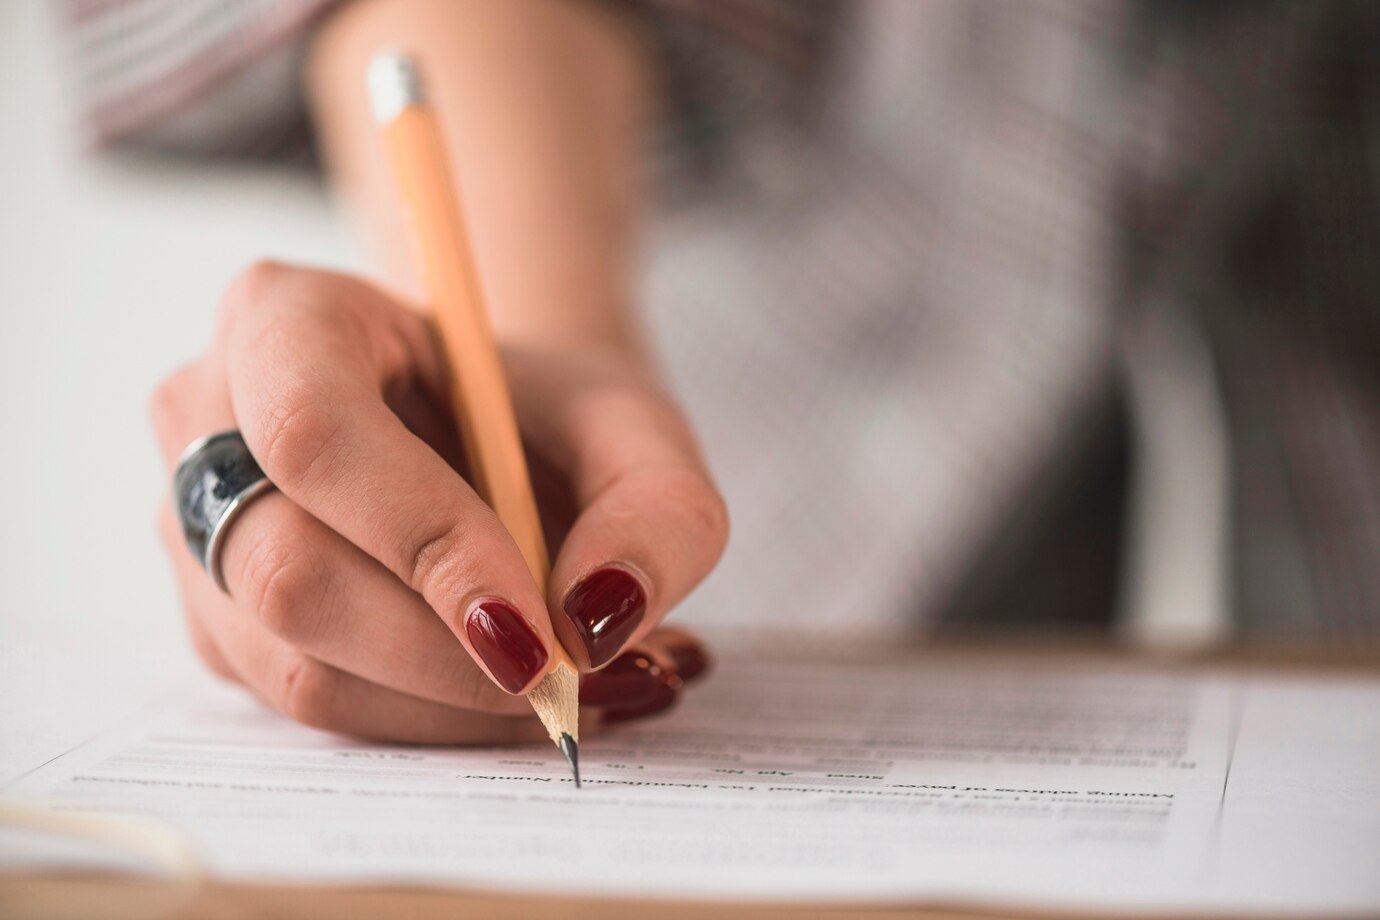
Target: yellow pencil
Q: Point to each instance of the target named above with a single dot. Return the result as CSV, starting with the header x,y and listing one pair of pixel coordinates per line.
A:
x,y
483,406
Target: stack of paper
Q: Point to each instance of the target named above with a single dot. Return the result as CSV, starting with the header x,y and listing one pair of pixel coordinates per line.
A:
x,y
1094,787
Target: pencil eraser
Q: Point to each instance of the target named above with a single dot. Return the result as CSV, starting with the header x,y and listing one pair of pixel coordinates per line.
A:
x,y
394,84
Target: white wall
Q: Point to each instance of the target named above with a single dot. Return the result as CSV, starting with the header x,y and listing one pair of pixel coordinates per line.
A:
x,y
109,272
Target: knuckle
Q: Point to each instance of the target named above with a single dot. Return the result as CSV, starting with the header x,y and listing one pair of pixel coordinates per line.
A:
x,y
281,581
253,285
259,296
296,433
308,692
434,560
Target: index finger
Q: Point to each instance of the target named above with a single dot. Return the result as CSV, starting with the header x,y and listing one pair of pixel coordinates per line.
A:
x,y
308,355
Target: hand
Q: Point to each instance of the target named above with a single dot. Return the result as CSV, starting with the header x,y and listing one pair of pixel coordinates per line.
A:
x,y
373,592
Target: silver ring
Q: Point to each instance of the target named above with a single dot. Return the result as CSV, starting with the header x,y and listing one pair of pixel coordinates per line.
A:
x,y
216,478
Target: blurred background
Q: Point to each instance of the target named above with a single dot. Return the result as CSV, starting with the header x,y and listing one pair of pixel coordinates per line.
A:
x,y
1049,313
112,266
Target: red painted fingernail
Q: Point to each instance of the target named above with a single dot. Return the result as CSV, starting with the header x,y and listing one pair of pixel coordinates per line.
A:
x,y
511,649
690,658
663,698
629,681
605,609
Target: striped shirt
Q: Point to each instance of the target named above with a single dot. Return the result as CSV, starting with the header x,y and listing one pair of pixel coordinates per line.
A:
x,y
961,295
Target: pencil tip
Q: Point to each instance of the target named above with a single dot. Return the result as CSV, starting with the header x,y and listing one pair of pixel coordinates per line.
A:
x,y
571,750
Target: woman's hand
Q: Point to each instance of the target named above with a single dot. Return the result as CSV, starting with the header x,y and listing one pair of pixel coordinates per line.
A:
x,y
373,592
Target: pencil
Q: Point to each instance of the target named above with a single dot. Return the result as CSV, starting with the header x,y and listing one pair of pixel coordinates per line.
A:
x,y
479,390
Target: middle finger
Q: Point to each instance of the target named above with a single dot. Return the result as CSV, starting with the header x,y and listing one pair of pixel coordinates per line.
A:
x,y
314,589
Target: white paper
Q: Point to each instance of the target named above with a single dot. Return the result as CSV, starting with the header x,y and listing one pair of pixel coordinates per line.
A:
x,y
1096,788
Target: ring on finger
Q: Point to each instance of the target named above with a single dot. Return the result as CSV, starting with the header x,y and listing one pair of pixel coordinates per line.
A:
x,y
216,478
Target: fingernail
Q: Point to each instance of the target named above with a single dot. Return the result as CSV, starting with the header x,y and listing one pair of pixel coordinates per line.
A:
x,y
605,609
629,681
510,648
690,658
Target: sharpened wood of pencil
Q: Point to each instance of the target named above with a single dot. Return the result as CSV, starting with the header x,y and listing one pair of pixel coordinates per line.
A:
x,y
483,405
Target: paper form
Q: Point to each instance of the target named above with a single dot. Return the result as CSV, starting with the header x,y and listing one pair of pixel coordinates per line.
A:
x,y
1071,786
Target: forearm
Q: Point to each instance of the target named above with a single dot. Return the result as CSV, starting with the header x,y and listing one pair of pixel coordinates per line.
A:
x,y
542,103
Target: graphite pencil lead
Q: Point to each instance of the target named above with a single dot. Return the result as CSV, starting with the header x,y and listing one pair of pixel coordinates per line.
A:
x,y
571,750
